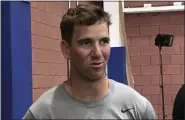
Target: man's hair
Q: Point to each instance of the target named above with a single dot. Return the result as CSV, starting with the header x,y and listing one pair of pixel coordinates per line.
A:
x,y
82,15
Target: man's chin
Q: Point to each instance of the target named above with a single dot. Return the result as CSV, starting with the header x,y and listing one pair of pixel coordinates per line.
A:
x,y
97,77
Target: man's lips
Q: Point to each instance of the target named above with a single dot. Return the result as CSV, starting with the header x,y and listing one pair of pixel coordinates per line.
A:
x,y
96,64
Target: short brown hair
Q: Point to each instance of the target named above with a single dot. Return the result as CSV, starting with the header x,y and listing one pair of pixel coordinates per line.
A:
x,y
82,15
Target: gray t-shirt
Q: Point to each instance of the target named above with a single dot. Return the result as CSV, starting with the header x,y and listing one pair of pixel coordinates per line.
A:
x,y
120,102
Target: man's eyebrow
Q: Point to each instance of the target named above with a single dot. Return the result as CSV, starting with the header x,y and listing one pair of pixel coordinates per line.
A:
x,y
90,39
105,38
84,39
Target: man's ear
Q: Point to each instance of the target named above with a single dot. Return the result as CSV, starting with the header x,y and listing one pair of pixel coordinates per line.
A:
x,y
65,48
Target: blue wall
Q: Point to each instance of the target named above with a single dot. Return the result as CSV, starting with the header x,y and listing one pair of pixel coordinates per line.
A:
x,y
117,64
16,59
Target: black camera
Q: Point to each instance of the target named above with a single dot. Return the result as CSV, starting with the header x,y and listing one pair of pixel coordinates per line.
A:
x,y
164,40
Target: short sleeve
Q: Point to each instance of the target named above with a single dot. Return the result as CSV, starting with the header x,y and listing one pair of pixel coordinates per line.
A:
x,y
39,109
28,116
149,112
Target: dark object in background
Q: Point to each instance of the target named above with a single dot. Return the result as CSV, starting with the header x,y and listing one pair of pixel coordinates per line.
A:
x,y
179,105
164,40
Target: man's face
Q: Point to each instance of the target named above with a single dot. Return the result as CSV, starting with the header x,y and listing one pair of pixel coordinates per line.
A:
x,y
90,51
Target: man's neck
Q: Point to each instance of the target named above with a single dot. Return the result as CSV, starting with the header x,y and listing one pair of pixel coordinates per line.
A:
x,y
85,90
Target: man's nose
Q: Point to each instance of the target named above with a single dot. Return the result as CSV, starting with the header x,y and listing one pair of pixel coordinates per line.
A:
x,y
96,50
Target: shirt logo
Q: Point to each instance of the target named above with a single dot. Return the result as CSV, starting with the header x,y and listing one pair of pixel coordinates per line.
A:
x,y
123,111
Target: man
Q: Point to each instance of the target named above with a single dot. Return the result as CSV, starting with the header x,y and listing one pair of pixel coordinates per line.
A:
x,y
179,105
88,93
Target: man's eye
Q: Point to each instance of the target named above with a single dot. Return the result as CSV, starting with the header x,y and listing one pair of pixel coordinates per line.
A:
x,y
104,41
86,43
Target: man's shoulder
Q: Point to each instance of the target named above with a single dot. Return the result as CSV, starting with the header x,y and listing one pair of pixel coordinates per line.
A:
x,y
48,96
42,105
45,98
126,95
123,89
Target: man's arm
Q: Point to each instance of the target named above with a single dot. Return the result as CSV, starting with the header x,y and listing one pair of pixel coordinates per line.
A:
x,y
38,110
149,112
29,115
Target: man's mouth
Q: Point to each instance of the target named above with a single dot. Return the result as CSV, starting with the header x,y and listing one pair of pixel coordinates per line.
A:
x,y
96,64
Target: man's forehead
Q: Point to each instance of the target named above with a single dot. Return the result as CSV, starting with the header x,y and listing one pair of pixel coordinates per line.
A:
x,y
96,31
